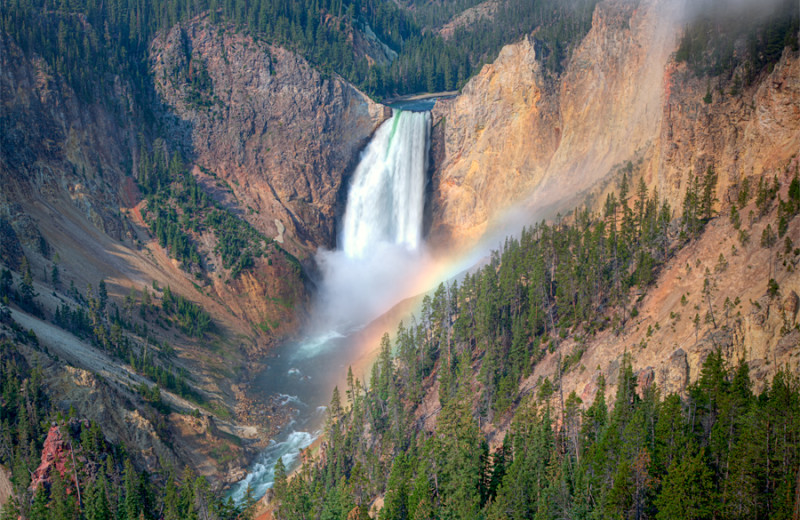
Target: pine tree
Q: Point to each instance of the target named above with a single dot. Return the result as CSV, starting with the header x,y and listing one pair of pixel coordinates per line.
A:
x,y
280,480
457,454
27,294
6,281
11,509
688,490
63,505
39,509
709,190
102,294
97,504
133,501
55,276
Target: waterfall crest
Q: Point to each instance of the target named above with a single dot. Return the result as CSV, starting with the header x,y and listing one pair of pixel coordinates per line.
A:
x,y
387,195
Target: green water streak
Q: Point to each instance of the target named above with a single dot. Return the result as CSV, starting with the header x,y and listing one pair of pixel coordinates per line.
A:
x,y
395,121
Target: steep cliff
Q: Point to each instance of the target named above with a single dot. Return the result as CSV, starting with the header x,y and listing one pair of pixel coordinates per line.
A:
x,y
745,134
517,134
56,149
515,128
264,120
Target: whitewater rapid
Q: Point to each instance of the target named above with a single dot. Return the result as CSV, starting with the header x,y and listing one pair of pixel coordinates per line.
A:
x,y
380,249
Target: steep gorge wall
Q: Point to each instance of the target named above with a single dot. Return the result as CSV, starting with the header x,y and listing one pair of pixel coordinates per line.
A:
x,y
751,134
282,133
515,130
264,126
55,148
273,138
518,136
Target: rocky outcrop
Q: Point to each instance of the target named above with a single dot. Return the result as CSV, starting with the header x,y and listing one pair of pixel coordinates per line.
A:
x,y
741,135
490,144
56,149
55,457
260,117
468,17
6,487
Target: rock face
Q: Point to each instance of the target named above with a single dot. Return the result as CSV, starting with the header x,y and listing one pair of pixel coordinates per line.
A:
x,y
517,136
56,149
486,9
264,120
513,130
55,457
63,166
740,135
6,488
490,143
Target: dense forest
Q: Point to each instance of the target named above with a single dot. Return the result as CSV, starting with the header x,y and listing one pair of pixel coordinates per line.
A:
x,y
719,451
429,62
91,43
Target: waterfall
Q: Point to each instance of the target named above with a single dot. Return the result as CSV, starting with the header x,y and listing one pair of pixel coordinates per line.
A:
x,y
380,252
387,194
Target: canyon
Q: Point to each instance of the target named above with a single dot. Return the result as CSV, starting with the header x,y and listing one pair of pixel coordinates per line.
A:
x,y
275,142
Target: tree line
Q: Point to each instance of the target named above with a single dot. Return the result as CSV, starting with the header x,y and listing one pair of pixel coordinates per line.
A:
x,y
737,47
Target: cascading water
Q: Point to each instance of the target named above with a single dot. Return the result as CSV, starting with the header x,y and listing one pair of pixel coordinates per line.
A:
x,y
380,244
387,194
380,249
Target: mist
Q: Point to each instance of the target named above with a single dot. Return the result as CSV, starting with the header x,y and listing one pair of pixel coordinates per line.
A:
x,y
754,10
355,291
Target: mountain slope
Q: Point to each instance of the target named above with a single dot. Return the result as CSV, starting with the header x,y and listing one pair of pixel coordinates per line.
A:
x,y
669,279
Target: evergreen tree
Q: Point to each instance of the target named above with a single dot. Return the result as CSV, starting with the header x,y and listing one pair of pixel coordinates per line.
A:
x,y
280,481
27,294
687,490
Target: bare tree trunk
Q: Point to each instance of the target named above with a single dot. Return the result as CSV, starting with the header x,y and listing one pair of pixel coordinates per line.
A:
x,y
75,474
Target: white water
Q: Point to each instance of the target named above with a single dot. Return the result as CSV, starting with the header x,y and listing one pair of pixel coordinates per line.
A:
x,y
381,249
387,194
381,245
262,475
